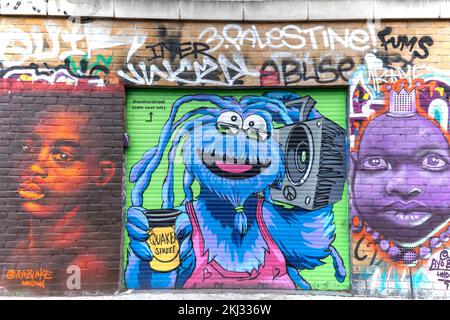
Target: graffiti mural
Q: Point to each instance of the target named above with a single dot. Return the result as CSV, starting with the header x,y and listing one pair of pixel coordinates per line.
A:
x,y
292,37
70,72
418,46
216,57
61,200
399,185
251,191
225,188
218,54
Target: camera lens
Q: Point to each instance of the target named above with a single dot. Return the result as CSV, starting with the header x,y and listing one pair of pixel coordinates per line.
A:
x,y
302,156
299,153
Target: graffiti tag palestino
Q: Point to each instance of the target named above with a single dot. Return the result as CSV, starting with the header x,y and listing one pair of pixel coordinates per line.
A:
x,y
238,232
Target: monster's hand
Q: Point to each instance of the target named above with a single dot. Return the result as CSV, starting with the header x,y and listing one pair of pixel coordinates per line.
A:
x,y
138,273
138,228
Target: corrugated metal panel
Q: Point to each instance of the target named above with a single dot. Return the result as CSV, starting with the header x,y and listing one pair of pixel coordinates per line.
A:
x,y
149,109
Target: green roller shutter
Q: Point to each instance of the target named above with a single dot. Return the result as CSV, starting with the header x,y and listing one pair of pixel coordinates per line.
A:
x,y
148,111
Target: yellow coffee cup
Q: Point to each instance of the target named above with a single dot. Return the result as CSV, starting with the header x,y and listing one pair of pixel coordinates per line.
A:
x,y
162,239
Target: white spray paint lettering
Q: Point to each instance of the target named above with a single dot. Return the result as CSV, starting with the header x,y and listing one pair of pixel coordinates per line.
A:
x,y
202,69
26,46
290,37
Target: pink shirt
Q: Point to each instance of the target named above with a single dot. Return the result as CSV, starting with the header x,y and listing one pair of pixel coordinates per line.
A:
x,y
271,275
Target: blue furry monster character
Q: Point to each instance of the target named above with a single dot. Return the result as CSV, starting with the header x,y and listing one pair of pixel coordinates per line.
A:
x,y
232,235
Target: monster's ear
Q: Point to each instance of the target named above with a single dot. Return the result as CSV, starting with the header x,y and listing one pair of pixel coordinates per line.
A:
x,y
281,95
304,105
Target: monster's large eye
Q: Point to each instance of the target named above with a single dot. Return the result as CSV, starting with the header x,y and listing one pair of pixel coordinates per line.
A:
x,y
434,163
229,122
375,163
256,127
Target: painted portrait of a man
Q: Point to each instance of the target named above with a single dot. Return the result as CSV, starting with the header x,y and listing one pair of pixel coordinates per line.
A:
x,y
65,169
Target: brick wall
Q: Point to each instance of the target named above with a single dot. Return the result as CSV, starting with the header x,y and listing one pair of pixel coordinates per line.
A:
x,y
62,154
361,56
217,53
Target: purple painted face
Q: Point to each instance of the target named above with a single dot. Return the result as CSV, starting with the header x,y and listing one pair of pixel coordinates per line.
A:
x,y
401,183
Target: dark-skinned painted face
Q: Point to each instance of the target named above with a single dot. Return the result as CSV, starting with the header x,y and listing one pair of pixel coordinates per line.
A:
x,y
401,185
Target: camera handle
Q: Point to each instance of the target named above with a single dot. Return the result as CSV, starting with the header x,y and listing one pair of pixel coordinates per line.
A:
x,y
304,105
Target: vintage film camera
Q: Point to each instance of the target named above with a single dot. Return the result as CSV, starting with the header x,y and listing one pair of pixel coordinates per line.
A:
x,y
315,158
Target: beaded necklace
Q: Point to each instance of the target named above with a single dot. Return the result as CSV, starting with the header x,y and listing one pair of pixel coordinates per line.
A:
x,y
406,255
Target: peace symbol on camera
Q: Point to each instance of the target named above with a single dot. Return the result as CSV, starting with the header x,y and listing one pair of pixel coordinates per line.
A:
x,y
289,193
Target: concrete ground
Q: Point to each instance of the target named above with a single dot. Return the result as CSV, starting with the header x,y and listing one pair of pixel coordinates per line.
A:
x,y
210,295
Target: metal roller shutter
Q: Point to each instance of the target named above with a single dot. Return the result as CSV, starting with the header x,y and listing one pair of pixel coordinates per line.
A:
x,y
147,112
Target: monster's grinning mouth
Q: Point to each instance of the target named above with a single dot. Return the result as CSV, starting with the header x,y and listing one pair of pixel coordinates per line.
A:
x,y
232,168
